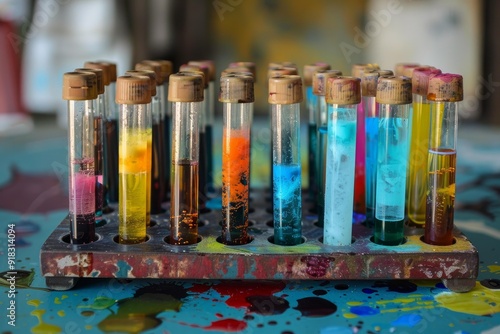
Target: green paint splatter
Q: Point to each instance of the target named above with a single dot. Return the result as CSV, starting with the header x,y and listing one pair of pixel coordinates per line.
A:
x,y
100,303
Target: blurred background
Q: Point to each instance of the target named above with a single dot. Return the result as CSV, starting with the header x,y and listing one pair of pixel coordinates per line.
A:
x,y
42,39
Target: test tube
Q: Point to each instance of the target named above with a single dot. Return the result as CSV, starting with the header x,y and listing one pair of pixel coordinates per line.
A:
x,y
133,95
312,129
419,146
186,93
342,96
102,80
369,90
319,80
394,99
444,93
237,97
285,95
359,176
80,90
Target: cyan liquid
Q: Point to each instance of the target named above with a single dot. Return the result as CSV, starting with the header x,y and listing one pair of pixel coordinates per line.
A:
x,y
312,147
287,204
339,187
371,126
391,180
321,176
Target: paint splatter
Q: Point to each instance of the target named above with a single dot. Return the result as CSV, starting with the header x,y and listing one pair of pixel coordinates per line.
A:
x,y
320,292
493,284
199,288
368,291
239,291
408,320
100,303
478,301
41,327
316,266
336,330
364,310
400,286
315,307
494,269
267,305
223,325
341,286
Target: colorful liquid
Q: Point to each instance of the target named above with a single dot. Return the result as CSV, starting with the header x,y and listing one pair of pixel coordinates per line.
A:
x,y
371,125
149,165
321,176
111,160
157,169
287,204
235,186
359,176
132,207
203,176
82,203
391,181
184,203
339,189
210,158
441,197
99,168
166,146
417,172
312,147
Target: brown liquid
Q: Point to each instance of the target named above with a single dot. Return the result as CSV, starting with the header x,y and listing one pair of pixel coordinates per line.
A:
x,y
111,160
184,203
157,169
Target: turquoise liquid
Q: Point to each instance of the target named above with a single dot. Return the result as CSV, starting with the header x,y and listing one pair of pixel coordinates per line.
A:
x,y
339,187
391,180
321,177
371,126
287,203
312,147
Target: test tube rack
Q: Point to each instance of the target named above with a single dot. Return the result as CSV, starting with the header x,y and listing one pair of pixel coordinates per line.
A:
x,y
62,263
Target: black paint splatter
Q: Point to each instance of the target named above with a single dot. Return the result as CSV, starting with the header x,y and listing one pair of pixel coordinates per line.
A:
x,y
267,305
341,286
320,292
315,307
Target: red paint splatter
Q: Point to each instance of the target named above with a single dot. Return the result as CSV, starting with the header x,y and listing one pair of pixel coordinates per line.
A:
x,y
199,288
316,266
238,291
219,315
227,325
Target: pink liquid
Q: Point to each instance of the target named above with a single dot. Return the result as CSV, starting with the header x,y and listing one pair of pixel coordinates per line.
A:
x,y
82,193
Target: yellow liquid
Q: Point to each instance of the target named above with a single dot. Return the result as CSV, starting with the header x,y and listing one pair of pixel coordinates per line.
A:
x,y
148,176
417,177
133,186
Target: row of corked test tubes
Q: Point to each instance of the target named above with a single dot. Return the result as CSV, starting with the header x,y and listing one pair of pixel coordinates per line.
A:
x,y
127,146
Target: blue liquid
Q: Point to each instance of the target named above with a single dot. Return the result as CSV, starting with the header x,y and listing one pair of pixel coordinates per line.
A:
x,y
391,180
287,203
312,147
321,176
371,126
339,187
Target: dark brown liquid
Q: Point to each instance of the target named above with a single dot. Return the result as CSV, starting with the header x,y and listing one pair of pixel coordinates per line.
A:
x,y
111,160
82,228
184,203
157,169
167,149
98,165
203,169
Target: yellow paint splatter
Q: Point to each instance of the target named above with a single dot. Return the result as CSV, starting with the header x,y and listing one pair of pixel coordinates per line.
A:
x,y
354,303
377,328
57,301
451,324
88,327
478,301
350,315
495,269
43,328
61,313
63,297
34,302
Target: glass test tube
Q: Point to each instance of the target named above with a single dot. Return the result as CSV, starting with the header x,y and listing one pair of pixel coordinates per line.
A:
x,y
394,99
237,97
80,90
342,96
319,84
312,128
133,95
102,80
444,93
158,161
419,146
186,93
359,178
369,90
285,95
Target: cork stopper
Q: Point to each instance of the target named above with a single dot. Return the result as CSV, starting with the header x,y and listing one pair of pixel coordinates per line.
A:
x,y
277,71
165,68
186,87
236,70
343,90
111,69
358,69
369,82
399,68
394,90
236,88
273,65
203,70
319,80
249,65
100,66
99,75
309,70
133,90
285,89
79,86
408,71
445,87
420,79
208,63
151,65
385,73
146,73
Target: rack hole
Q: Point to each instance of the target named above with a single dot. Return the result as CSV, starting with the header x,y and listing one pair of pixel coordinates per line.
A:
x,y
204,210
66,238
168,241
219,240
353,240
116,240
423,240
152,223
372,239
271,240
